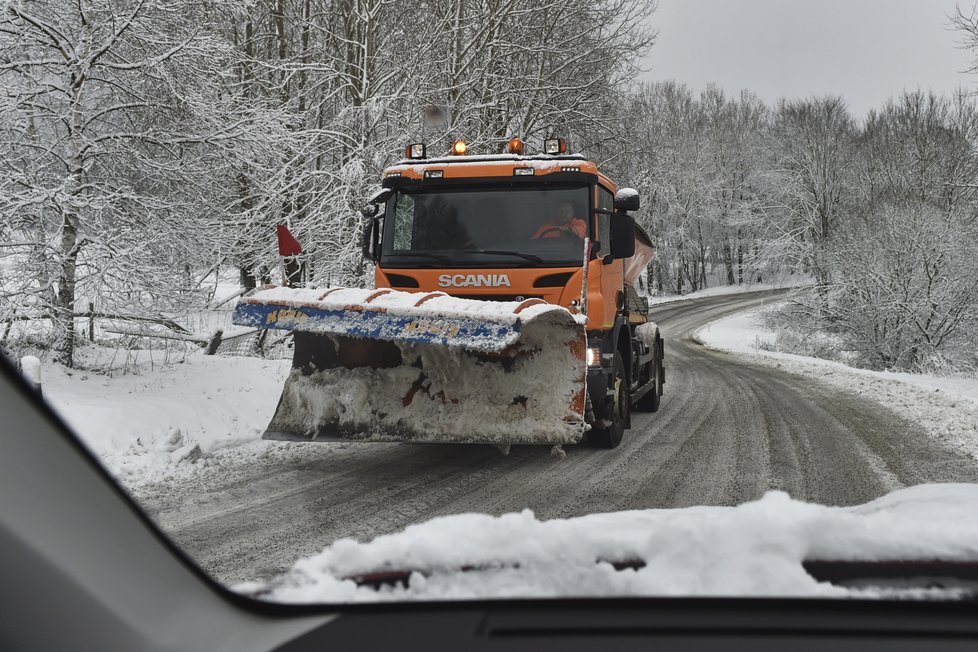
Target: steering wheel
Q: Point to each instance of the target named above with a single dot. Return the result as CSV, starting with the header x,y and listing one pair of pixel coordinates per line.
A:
x,y
564,231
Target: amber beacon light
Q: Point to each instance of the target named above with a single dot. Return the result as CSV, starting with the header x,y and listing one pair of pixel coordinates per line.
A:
x,y
514,146
459,148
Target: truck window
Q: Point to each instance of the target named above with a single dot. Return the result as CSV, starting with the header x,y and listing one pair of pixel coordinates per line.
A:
x,y
404,225
604,207
485,227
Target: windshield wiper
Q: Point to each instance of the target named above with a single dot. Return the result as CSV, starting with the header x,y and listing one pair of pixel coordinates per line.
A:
x,y
500,252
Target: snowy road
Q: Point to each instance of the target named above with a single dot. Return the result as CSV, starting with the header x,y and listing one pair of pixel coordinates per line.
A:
x,y
726,432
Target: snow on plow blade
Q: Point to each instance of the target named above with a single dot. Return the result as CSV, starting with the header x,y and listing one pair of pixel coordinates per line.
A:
x,y
383,365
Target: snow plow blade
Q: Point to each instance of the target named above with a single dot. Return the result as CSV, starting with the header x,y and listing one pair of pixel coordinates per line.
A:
x,y
384,365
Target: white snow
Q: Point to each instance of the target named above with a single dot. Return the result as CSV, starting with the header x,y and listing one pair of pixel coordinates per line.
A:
x,y
30,366
754,549
403,304
792,281
539,161
345,308
742,332
145,425
946,406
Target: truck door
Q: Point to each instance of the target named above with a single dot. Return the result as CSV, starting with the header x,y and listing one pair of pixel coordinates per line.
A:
x,y
611,274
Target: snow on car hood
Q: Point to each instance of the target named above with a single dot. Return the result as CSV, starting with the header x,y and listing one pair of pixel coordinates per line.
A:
x,y
754,549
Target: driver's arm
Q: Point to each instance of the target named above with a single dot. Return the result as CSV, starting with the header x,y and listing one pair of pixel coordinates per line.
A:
x,y
578,227
541,230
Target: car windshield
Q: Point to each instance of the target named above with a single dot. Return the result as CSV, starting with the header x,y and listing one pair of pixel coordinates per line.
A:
x,y
452,300
483,228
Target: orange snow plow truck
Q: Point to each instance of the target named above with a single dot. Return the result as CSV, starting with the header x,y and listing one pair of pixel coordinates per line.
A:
x,y
505,310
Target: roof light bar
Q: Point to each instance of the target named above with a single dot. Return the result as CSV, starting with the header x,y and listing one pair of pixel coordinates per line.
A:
x,y
555,146
416,151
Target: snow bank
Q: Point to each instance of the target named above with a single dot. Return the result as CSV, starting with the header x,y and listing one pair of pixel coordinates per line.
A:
x,y
743,332
946,406
793,281
754,549
146,424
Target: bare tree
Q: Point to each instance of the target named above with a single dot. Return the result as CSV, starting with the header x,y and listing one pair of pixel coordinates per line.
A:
x,y
97,120
813,149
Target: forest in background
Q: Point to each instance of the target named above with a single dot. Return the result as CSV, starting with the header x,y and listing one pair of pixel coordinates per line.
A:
x,y
148,146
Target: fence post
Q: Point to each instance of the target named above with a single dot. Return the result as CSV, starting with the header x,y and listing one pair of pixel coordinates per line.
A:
x,y
214,342
31,368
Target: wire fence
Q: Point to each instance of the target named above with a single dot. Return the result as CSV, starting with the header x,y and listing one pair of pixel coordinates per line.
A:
x,y
258,343
114,335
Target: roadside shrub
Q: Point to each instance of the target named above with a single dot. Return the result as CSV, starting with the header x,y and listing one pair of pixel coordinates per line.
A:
x,y
905,292
797,333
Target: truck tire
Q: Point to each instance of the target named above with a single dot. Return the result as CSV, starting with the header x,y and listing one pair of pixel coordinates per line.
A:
x,y
650,402
616,410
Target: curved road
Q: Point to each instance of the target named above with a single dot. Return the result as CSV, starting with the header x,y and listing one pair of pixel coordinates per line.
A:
x,y
726,432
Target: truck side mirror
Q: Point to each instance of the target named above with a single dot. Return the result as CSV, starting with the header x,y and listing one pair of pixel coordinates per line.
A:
x,y
626,199
371,239
371,230
622,234
368,238
374,202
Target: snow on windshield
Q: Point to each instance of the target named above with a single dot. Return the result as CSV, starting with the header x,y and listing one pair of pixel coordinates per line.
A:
x,y
753,549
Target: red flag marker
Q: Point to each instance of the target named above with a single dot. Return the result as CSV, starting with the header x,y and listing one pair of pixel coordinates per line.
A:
x,y
287,244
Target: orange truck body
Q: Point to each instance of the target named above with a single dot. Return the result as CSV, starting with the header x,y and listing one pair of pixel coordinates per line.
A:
x,y
615,312
605,280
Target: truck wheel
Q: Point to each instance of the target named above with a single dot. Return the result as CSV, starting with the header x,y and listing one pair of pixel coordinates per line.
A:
x,y
616,411
650,402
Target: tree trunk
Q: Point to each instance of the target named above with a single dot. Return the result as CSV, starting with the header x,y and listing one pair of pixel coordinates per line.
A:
x,y
728,261
247,278
740,263
65,306
64,317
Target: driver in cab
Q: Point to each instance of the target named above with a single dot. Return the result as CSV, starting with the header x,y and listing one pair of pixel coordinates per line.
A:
x,y
564,222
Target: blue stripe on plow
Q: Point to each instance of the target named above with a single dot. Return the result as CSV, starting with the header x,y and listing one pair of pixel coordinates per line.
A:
x,y
473,334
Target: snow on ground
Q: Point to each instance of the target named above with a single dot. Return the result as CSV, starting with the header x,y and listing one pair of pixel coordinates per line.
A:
x,y
752,549
792,281
155,420
946,406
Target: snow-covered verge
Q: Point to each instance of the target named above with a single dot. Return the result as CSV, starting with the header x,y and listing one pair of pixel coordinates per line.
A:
x,y
754,549
156,421
946,406
793,281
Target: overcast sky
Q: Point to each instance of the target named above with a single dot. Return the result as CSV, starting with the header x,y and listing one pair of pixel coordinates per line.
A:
x,y
864,50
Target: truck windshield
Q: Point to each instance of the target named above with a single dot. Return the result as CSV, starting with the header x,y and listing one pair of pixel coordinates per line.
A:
x,y
487,228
